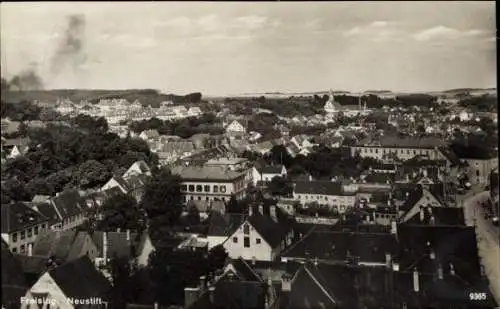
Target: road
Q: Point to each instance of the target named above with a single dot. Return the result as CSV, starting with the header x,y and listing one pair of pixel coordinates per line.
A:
x,y
488,237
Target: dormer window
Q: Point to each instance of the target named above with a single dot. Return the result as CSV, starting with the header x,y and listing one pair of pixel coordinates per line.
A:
x,y
246,229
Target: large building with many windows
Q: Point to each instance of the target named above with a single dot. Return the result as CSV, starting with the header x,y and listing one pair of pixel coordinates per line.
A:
x,y
393,147
217,180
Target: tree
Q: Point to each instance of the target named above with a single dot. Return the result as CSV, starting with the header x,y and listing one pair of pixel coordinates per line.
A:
x,y
280,155
193,215
162,201
121,212
280,186
216,258
91,174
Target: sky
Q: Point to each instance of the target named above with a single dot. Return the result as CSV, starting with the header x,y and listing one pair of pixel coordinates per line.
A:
x,y
235,47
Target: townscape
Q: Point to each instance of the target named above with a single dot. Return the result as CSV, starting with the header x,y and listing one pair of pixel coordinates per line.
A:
x,y
330,199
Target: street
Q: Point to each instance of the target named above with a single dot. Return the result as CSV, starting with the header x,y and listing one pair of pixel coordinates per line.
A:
x,y
487,238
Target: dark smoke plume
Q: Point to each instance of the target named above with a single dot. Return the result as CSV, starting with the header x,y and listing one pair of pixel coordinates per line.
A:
x,y
70,49
27,80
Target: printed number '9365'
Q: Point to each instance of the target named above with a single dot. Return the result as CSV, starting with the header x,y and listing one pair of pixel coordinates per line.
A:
x,y
477,296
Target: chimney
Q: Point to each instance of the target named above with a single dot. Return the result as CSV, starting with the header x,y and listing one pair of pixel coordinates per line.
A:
x,y
254,260
105,246
30,249
395,266
272,212
388,260
211,294
425,172
432,220
452,269
422,215
250,210
432,255
315,261
440,272
394,228
118,230
203,283
261,209
128,235
155,305
190,296
416,284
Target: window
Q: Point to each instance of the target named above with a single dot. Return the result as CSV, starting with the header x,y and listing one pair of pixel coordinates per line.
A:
x,y
223,199
376,150
207,199
23,235
14,237
22,248
207,188
414,152
198,188
30,232
246,229
14,250
257,241
184,188
235,240
192,197
199,198
246,242
191,188
223,189
43,225
216,189
477,173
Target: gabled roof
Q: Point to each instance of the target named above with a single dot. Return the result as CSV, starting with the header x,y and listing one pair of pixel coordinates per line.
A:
x,y
223,225
36,265
441,216
67,204
271,231
121,182
341,246
117,243
271,169
18,216
63,245
244,271
318,187
80,279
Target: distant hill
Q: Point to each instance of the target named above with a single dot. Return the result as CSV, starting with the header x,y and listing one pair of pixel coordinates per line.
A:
x,y
459,90
145,96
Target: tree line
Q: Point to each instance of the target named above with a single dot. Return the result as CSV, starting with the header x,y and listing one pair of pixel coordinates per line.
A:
x,y
185,128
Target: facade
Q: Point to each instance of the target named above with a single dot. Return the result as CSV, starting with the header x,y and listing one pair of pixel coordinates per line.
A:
x,y
479,170
324,193
260,237
212,182
387,148
138,168
267,173
72,282
21,225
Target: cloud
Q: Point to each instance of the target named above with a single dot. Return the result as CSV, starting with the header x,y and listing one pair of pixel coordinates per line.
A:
x,y
440,33
376,31
252,21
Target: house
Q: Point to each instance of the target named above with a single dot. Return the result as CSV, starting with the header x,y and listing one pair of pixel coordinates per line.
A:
x,y
324,193
113,244
260,236
70,212
327,246
139,167
237,287
221,226
69,286
149,135
211,182
401,148
194,112
64,246
21,224
236,130
118,182
302,141
15,147
14,285
317,285
180,111
267,173
479,169
419,199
